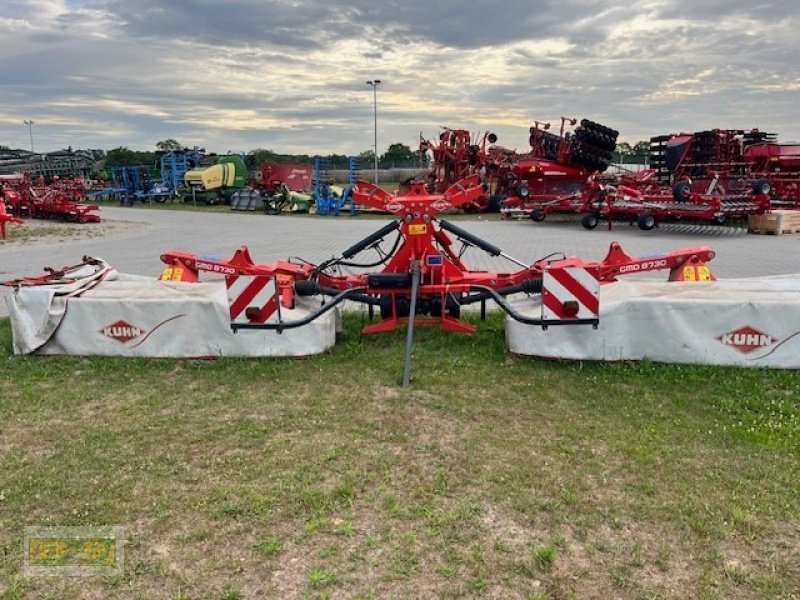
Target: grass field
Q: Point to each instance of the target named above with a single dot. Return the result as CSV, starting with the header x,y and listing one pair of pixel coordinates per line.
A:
x,y
494,476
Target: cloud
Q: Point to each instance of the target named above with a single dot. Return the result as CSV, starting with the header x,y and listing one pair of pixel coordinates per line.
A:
x,y
290,75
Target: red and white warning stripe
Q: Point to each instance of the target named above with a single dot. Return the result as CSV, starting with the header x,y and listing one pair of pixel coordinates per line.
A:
x,y
570,293
246,291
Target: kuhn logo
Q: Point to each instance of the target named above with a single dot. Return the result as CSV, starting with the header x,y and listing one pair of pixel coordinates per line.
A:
x,y
747,339
122,331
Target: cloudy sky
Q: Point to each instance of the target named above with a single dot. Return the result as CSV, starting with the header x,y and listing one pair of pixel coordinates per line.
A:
x,y
290,74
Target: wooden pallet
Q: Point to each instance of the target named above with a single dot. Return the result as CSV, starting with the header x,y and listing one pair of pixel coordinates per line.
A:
x,y
777,222
773,231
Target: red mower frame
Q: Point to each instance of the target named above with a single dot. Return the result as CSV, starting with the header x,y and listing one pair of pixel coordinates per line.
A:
x,y
423,272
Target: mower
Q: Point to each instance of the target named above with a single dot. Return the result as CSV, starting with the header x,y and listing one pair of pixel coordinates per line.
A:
x,y
290,308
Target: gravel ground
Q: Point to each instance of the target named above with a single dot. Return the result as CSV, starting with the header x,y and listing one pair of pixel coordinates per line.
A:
x,y
131,239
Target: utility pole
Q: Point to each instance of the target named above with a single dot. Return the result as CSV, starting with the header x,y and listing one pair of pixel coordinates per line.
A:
x,y
29,123
375,83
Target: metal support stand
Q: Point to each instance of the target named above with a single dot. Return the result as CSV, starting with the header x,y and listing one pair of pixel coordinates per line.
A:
x,y
412,311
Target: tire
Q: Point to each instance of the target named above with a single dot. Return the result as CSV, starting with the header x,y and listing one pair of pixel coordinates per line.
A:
x,y
719,220
537,215
646,222
495,202
762,186
590,221
681,191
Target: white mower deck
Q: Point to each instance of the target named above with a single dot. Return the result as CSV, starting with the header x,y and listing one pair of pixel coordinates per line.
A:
x,y
127,315
739,322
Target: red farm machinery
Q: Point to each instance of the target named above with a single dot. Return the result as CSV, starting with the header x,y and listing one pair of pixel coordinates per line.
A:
x,y
457,154
26,196
278,187
412,270
775,171
711,176
6,218
552,177
556,168
421,278
726,161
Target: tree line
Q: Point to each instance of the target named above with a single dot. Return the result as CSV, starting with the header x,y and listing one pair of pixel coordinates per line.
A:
x,y
638,153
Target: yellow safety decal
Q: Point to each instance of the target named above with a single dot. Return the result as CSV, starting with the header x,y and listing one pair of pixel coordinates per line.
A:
x,y
696,273
172,274
419,229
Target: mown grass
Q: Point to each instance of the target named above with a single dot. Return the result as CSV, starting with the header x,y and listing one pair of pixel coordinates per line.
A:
x,y
494,476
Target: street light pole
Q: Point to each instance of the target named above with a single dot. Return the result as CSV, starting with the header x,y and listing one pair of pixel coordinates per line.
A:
x,y
29,123
375,83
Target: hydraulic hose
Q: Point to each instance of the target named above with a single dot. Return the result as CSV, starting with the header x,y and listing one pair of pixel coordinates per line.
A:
x,y
530,286
370,239
281,325
471,238
312,288
501,302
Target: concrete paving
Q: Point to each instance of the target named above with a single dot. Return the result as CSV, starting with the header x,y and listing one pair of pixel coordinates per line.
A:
x,y
316,238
